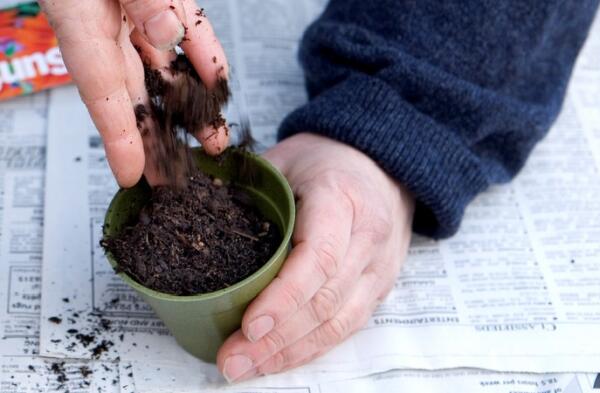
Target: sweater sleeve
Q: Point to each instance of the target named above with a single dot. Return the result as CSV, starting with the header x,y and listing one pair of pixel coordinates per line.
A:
x,y
447,97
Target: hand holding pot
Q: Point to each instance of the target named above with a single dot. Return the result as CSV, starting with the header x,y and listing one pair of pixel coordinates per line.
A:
x,y
98,40
352,233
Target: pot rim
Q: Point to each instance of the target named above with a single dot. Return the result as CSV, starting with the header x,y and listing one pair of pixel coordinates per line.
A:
x,y
283,246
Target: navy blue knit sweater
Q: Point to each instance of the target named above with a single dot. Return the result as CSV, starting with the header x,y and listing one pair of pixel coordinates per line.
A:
x,y
449,97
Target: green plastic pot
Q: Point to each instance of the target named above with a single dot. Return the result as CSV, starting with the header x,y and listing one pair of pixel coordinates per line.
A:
x,y
201,323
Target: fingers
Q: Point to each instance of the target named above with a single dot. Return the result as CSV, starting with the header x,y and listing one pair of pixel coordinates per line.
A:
x,y
202,46
160,21
140,99
326,303
321,241
156,59
134,70
352,316
96,64
288,352
214,140
200,43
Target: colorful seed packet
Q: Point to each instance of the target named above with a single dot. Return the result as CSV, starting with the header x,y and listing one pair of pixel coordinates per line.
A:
x,y
30,59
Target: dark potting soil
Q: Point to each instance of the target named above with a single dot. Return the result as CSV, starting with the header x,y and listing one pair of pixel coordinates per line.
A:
x,y
194,239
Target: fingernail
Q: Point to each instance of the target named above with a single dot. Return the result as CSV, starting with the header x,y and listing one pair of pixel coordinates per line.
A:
x,y
236,366
164,30
258,328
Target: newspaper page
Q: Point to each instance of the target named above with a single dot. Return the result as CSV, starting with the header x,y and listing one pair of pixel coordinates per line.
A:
x,y
515,290
165,378
465,381
23,124
22,161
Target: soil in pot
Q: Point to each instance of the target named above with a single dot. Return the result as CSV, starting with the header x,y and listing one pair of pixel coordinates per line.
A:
x,y
196,235
197,239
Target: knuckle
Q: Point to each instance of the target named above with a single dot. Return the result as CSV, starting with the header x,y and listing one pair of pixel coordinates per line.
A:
x,y
143,8
274,342
330,179
378,228
325,304
337,186
293,294
336,330
277,363
326,259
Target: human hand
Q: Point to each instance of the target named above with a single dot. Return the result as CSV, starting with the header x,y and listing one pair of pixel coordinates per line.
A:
x,y
98,40
352,233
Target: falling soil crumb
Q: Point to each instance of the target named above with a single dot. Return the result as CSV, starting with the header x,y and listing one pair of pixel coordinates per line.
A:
x,y
194,240
179,107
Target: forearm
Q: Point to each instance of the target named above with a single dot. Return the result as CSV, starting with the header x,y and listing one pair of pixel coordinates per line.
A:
x,y
447,98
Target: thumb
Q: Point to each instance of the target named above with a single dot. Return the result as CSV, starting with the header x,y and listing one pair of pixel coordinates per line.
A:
x,y
160,21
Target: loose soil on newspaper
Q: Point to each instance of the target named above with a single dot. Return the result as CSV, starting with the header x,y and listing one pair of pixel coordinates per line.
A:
x,y
198,234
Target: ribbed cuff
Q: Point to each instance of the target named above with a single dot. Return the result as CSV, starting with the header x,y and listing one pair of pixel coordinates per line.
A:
x,y
429,159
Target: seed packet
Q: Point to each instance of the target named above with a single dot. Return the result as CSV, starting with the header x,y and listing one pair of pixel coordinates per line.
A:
x,y
30,59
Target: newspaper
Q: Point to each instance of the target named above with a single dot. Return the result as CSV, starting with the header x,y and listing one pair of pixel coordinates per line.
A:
x,y
163,379
466,381
23,124
515,290
22,161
